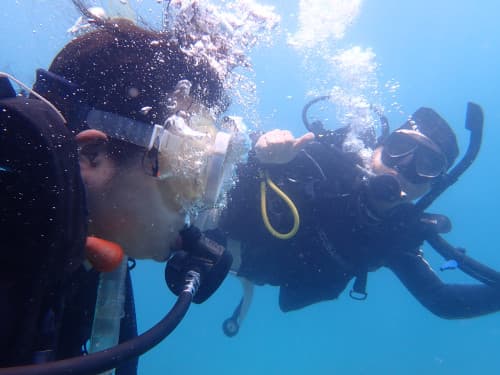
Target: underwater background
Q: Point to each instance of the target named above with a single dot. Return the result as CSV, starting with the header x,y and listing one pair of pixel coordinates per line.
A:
x,y
400,55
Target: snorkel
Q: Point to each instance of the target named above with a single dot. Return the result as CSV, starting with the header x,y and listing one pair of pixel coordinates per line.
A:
x,y
474,122
454,255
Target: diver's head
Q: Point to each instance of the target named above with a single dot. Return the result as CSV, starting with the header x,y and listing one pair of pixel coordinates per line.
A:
x,y
143,113
417,153
122,68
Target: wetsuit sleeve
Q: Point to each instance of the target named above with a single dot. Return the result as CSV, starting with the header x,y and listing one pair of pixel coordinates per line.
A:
x,y
449,301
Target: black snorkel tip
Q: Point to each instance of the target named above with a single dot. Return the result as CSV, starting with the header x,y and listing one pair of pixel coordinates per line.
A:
x,y
474,122
474,118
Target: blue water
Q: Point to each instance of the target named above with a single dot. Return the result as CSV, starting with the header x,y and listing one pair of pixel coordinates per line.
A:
x,y
443,53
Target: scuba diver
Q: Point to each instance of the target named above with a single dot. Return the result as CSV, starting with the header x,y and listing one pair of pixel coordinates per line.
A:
x,y
100,165
321,217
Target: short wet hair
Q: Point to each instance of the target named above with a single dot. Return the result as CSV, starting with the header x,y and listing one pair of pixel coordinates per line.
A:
x,y
121,67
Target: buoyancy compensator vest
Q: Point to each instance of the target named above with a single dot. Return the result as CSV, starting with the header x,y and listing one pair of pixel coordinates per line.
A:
x,y
42,223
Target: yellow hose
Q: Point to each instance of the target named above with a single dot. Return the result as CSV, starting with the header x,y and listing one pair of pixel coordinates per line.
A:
x,y
287,200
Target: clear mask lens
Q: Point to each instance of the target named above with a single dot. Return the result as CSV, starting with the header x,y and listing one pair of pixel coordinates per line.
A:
x,y
429,163
195,158
183,156
399,144
414,154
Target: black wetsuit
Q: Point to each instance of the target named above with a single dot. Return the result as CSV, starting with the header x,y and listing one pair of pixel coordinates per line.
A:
x,y
47,297
339,237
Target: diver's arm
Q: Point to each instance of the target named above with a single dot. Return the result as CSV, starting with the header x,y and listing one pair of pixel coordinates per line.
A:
x,y
449,301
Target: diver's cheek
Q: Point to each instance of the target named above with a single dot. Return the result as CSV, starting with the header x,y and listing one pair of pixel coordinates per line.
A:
x,y
378,167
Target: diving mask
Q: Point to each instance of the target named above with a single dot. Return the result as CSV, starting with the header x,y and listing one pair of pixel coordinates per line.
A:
x,y
194,157
413,154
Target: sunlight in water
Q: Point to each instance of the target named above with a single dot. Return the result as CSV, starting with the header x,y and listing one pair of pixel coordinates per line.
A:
x,y
321,20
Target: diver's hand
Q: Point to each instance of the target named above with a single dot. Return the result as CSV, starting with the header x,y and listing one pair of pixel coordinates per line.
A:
x,y
280,146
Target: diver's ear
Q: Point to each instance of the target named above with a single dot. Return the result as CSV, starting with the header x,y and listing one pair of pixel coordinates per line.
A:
x,y
90,136
96,167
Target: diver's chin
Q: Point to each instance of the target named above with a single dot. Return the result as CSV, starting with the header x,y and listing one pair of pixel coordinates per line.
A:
x,y
377,165
176,222
411,190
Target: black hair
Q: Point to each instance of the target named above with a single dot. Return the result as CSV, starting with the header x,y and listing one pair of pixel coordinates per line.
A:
x,y
122,68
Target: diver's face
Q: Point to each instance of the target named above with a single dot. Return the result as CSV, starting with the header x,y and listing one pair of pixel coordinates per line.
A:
x,y
127,206
410,190
131,211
